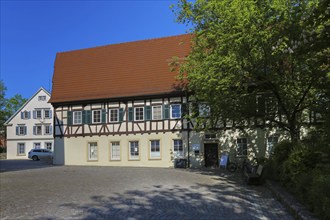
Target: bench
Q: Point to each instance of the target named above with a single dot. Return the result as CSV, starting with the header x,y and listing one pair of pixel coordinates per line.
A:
x,y
254,177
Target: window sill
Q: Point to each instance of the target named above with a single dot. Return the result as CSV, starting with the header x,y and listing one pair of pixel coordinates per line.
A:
x,y
115,160
132,159
158,158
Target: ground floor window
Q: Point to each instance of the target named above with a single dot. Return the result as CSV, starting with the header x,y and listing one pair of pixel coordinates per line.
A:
x,y
154,149
92,151
49,146
134,150
36,145
177,148
241,147
21,149
115,150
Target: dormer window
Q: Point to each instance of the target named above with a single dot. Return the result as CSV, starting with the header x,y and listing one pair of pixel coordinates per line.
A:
x,y
42,98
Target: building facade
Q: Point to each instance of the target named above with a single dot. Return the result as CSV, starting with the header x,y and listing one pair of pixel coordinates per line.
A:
x,y
30,127
121,105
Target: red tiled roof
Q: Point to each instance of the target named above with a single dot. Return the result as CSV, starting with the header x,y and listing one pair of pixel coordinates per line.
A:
x,y
120,70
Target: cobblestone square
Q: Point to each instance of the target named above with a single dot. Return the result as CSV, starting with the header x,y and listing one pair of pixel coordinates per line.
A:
x,y
38,190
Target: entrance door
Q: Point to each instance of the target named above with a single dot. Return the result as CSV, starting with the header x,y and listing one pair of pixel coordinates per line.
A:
x,y
211,155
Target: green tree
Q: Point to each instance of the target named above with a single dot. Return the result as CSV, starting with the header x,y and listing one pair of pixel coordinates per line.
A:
x,y
3,114
257,59
8,107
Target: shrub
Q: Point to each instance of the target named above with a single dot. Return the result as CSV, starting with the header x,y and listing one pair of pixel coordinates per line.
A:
x,y
300,161
281,153
318,196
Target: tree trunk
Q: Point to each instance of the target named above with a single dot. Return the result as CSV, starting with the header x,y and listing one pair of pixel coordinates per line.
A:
x,y
295,133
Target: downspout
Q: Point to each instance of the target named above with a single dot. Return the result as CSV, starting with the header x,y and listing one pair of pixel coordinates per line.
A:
x,y
188,133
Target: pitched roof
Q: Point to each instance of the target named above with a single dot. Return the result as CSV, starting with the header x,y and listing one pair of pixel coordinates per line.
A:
x,y
27,102
120,70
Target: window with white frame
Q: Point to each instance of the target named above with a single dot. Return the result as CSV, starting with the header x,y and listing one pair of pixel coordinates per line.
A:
x,y
134,150
177,148
175,111
115,150
241,147
154,149
42,98
48,129
114,115
139,114
37,130
49,146
20,149
92,151
25,115
77,117
38,113
96,116
21,130
271,143
157,112
47,113
36,145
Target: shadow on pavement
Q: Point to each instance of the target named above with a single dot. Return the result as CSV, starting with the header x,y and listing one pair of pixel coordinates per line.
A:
x,y
17,165
177,202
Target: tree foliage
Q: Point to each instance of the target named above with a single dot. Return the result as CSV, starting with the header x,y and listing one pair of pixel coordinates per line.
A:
x,y
258,59
8,107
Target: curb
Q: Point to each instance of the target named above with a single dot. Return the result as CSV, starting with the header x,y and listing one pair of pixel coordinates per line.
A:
x,y
297,210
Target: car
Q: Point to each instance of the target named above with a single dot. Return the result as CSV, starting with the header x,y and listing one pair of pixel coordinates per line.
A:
x,y
38,154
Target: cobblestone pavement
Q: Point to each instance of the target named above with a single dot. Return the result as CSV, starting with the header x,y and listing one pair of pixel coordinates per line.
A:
x,y
51,192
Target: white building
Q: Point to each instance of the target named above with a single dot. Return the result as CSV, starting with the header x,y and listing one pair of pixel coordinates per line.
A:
x,y
30,127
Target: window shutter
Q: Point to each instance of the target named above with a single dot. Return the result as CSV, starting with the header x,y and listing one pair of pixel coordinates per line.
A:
x,y
195,109
166,111
29,114
147,113
121,114
69,119
34,114
184,109
34,130
130,114
17,130
25,130
86,116
50,114
50,129
22,115
104,116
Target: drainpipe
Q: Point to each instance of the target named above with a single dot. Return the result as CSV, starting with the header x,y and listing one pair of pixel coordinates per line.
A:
x,y
188,132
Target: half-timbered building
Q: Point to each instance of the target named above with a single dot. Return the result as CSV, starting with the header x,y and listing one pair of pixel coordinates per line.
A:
x,y
120,105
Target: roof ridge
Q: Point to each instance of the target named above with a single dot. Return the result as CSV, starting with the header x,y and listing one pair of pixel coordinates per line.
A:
x,y
127,42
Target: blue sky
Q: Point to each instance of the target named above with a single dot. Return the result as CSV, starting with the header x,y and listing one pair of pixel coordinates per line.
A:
x,y
32,32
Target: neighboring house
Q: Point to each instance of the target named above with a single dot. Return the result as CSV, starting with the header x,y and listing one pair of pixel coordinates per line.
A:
x,y
31,126
120,105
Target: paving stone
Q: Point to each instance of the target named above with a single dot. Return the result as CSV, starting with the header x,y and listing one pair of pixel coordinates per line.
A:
x,y
77,192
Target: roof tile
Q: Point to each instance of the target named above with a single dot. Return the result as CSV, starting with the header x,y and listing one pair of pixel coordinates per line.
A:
x,y
119,70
